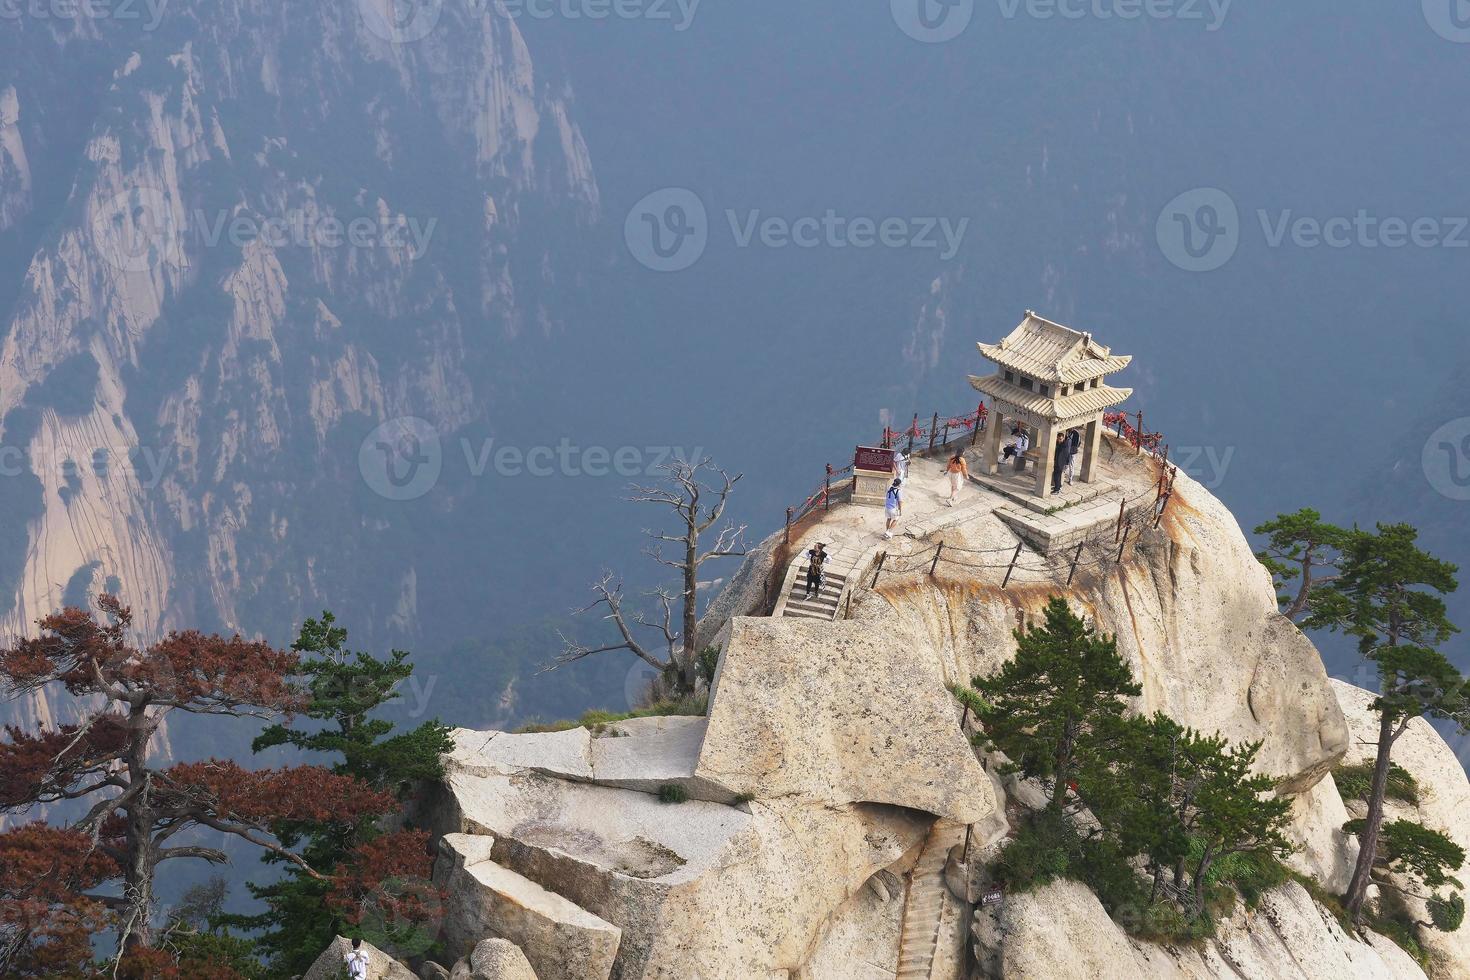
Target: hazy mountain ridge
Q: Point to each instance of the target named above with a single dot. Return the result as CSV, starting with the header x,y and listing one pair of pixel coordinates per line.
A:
x,y
235,364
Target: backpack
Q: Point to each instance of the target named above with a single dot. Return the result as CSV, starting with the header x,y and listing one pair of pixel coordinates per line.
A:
x,y
893,497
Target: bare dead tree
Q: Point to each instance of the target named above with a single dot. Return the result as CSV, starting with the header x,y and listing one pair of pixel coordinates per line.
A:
x,y
698,494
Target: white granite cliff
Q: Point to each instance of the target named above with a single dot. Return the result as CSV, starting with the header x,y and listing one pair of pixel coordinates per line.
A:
x,y
831,766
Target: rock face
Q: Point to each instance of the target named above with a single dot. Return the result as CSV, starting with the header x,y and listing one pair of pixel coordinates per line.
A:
x,y
500,959
561,941
1443,805
832,756
191,358
839,711
1193,611
1061,932
699,890
330,965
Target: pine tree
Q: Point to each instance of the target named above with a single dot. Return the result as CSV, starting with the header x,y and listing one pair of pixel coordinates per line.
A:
x,y
1055,705
1299,546
1426,858
303,914
1389,595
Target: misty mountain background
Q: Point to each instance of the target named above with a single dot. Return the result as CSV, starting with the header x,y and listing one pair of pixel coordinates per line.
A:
x,y
1289,376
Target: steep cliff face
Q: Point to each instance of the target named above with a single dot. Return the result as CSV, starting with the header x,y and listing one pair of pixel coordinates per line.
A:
x,y
824,729
254,249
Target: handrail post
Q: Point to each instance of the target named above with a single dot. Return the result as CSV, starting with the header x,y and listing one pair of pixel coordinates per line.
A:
x,y
1075,559
827,494
1123,544
1163,506
879,570
1014,558
789,511
935,564
1118,528
912,429
933,431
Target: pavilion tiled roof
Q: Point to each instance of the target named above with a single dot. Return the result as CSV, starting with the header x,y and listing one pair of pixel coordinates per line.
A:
x,y
1050,352
1054,406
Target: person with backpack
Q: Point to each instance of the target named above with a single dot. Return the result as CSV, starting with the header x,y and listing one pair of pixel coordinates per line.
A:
x,y
357,961
816,558
1018,446
1074,446
893,507
959,473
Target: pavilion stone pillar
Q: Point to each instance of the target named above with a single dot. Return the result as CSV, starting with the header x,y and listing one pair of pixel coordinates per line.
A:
x,y
1046,447
1091,445
993,437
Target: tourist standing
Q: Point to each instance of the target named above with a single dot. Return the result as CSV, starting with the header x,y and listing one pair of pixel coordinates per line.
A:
x,y
959,472
1074,446
357,961
900,466
1060,460
893,507
816,558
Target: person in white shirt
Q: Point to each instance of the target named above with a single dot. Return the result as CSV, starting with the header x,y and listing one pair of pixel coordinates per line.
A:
x,y
893,507
900,466
357,961
1019,446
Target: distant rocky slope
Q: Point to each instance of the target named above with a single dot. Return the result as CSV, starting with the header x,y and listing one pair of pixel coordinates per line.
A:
x,y
191,356
831,788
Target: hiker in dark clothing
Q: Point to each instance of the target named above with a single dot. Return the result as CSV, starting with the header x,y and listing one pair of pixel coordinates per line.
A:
x,y
1061,459
1074,446
816,557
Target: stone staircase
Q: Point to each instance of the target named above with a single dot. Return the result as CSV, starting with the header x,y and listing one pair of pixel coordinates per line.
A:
x,y
924,905
824,605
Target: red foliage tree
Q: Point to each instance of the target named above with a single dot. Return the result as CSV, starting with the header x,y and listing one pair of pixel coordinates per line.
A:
x,y
122,694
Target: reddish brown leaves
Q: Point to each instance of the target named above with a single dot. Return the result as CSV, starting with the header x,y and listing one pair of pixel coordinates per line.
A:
x,y
45,923
260,796
387,880
44,767
191,670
